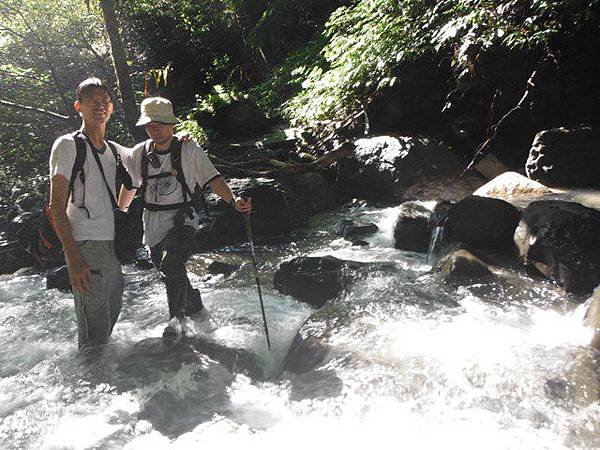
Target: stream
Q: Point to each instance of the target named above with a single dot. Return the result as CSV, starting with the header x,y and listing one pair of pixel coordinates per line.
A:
x,y
410,363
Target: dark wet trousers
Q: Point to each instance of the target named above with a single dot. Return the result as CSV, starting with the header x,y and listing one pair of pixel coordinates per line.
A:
x,y
169,256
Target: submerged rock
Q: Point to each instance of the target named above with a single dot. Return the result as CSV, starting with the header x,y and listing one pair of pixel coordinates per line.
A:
x,y
149,359
314,280
352,230
484,223
562,240
221,268
462,267
565,157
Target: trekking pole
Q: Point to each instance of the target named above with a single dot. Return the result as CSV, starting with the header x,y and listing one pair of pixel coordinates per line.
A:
x,y
262,306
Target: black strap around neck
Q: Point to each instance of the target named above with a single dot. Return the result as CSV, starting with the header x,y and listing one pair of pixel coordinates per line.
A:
x,y
110,194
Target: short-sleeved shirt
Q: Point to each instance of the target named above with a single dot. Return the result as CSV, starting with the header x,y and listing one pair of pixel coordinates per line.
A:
x,y
197,169
89,210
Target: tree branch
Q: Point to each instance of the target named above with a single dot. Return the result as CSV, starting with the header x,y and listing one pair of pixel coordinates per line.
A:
x,y
283,169
52,114
483,148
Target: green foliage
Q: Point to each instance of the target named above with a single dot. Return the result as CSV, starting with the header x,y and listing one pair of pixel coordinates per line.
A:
x,y
46,48
371,40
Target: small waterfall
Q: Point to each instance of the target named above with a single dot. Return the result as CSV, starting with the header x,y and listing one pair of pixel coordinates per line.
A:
x,y
437,236
438,222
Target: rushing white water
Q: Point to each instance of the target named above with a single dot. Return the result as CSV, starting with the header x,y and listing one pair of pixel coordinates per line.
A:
x,y
411,363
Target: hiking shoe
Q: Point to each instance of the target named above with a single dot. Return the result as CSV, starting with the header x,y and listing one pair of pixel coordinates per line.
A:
x,y
187,327
172,330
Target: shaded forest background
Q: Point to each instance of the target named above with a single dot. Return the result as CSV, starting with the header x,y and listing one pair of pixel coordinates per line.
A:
x,y
240,67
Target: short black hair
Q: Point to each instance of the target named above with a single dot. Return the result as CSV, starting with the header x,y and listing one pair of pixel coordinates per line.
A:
x,y
87,85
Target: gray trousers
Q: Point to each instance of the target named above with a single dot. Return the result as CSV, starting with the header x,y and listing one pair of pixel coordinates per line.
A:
x,y
98,311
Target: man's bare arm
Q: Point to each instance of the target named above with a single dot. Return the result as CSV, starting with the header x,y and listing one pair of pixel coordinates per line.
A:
x,y
79,272
125,197
221,188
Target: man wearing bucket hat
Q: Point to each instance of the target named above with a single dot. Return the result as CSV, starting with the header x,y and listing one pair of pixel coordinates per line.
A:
x,y
169,174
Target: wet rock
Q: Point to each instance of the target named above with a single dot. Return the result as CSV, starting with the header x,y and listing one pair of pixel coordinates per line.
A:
x,y
461,267
310,346
276,211
592,318
314,192
565,157
26,271
484,223
512,184
21,221
150,358
58,279
13,257
314,280
384,167
221,268
562,240
353,230
413,228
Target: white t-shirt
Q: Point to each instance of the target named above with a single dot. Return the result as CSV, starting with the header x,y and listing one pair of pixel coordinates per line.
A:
x,y
196,167
90,213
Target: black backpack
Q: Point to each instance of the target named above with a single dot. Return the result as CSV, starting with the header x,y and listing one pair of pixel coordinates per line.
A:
x,y
191,201
39,238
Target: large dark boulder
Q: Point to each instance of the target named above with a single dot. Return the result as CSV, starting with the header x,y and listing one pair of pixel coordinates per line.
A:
x,y
278,207
562,240
276,211
384,167
565,157
314,280
485,223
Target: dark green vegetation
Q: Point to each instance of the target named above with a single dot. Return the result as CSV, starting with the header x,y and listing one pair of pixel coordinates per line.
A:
x,y
450,67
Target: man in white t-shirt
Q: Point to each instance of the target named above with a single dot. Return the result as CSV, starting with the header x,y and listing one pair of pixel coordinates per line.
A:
x,y
170,216
83,216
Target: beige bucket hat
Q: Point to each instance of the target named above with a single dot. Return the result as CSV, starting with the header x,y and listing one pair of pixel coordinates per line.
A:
x,y
156,109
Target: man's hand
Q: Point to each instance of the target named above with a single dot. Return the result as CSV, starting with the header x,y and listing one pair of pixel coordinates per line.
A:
x,y
243,205
80,275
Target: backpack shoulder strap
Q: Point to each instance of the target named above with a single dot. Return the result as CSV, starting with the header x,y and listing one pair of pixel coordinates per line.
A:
x,y
80,156
122,176
176,164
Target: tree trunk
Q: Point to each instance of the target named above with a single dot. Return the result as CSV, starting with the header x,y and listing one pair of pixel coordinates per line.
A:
x,y
119,60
